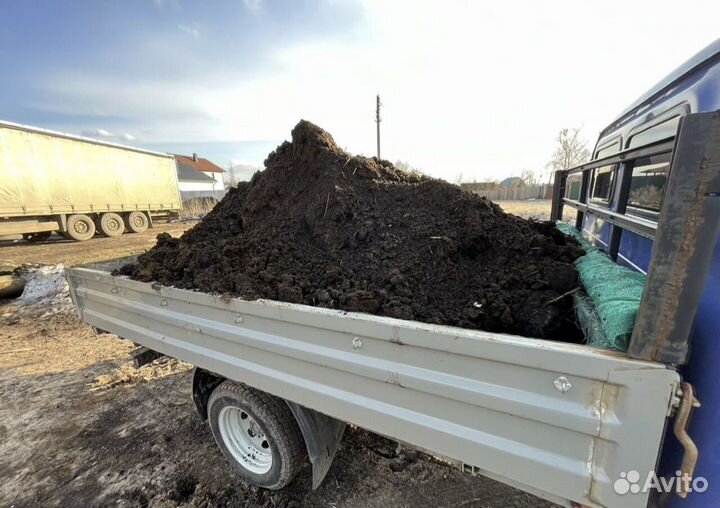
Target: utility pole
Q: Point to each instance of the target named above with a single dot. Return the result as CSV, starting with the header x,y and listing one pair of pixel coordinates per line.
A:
x,y
377,121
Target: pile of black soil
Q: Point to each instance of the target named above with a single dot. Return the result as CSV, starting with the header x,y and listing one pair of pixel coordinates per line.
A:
x,y
321,227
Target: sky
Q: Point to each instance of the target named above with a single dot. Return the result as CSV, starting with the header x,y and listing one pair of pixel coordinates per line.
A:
x,y
472,90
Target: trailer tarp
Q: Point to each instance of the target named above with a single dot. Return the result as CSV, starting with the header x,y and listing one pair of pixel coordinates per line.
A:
x,y
43,174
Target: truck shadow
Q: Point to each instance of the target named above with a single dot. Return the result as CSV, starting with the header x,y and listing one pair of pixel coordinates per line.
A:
x,y
102,440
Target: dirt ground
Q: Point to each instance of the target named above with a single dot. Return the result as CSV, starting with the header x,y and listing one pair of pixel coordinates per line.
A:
x,y
59,250
79,426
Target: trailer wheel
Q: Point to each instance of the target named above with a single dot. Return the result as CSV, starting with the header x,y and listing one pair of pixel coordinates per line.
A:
x,y
80,227
111,224
257,433
37,237
137,222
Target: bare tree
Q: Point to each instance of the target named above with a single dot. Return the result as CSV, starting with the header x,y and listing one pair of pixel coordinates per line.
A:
x,y
530,177
571,150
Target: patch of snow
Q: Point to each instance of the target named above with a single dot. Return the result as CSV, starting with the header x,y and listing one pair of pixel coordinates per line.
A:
x,y
46,292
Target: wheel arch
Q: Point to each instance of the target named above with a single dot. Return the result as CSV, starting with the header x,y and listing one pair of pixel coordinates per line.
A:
x,y
322,434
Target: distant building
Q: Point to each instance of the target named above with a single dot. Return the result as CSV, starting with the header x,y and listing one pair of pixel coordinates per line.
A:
x,y
199,178
512,181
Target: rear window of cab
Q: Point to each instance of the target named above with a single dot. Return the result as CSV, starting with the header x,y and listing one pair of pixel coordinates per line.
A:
x,y
603,178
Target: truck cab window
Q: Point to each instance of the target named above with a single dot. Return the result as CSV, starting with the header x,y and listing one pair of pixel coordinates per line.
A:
x,y
664,130
608,150
601,179
572,186
602,183
647,185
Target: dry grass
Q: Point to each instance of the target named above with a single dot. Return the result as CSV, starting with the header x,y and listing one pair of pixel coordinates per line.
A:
x,y
537,208
197,207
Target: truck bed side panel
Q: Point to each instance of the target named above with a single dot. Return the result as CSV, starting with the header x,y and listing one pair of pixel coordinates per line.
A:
x,y
555,418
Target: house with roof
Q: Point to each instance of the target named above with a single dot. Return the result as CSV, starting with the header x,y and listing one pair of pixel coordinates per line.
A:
x,y
512,181
199,178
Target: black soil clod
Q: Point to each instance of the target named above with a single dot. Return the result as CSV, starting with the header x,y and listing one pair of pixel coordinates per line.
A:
x,y
185,486
322,227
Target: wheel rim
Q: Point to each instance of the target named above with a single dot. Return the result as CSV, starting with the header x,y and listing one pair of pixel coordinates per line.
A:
x,y
81,227
245,440
138,221
113,224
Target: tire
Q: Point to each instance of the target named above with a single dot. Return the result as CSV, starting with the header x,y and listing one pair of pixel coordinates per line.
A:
x,y
37,237
257,433
137,222
111,224
80,227
11,286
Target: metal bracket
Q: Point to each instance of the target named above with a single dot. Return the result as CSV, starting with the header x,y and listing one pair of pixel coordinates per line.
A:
x,y
143,356
63,222
687,403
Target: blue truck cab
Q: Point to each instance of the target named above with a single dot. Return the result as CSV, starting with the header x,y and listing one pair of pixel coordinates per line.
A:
x,y
617,206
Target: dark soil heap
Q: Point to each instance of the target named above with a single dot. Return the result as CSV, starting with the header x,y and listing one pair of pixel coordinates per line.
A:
x,y
322,227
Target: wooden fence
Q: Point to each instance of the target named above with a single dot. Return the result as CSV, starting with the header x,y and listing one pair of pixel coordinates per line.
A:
x,y
507,193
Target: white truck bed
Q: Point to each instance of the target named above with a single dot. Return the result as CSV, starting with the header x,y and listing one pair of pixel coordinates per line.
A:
x,y
558,420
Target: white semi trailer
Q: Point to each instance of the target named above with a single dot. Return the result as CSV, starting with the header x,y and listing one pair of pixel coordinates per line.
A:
x,y
77,186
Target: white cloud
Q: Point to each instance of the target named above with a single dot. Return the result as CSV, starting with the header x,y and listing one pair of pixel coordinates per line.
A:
x,y
107,135
190,30
96,133
165,4
471,87
253,5
240,172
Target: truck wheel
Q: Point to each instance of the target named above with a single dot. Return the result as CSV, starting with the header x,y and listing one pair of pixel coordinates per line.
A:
x,y
37,237
111,224
257,433
137,222
80,227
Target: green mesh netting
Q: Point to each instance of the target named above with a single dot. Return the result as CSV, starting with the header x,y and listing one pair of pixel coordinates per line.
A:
x,y
615,292
589,321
